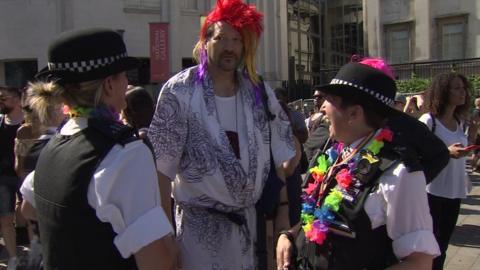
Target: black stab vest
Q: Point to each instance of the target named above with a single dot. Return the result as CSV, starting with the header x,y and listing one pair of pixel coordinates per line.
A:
x,y
371,249
72,235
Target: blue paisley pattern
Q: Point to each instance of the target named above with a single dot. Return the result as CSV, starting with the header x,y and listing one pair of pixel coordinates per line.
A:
x,y
209,95
285,132
210,227
199,158
167,127
261,122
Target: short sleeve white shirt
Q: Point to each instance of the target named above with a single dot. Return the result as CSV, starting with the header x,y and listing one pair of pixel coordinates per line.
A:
x,y
400,202
124,192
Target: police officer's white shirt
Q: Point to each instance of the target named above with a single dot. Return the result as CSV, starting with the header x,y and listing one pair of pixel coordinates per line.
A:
x,y
400,202
124,192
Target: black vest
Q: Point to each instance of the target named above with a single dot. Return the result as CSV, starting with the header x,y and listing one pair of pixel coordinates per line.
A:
x,y
72,235
7,142
370,249
31,158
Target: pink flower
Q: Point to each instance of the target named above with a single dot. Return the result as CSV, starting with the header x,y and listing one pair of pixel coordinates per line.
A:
x,y
318,233
385,135
344,178
318,177
311,187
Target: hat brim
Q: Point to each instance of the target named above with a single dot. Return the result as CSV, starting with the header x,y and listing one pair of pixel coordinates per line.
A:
x,y
65,76
367,100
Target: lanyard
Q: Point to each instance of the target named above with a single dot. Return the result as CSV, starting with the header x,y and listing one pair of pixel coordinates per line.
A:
x,y
339,162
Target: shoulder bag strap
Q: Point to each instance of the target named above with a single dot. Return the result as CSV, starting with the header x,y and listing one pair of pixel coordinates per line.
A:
x,y
434,123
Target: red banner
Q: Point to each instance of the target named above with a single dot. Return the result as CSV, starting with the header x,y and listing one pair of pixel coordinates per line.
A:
x,y
159,64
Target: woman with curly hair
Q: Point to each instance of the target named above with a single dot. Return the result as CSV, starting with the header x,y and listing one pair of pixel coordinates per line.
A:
x,y
448,102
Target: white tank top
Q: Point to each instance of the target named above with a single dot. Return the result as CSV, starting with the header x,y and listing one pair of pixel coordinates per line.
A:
x,y
451,181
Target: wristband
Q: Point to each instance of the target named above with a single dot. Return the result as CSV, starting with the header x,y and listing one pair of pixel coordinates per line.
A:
x,y
289,236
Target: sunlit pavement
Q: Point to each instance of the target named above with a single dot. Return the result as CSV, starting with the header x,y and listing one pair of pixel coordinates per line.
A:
x,y
464,250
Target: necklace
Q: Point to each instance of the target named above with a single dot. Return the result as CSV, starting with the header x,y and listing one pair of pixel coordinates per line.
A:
x,y
100,111
318,210
232,135
339,161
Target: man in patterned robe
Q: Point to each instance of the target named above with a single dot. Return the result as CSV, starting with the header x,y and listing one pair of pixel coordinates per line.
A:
x,y
212,137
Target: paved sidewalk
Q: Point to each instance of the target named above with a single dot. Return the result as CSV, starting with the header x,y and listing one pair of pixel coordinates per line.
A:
x,y
464,250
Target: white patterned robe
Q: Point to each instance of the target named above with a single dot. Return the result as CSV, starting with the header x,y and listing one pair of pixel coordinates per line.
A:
x,y
192,148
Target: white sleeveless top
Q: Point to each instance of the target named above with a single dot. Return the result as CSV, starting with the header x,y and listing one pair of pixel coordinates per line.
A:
x,y
451,181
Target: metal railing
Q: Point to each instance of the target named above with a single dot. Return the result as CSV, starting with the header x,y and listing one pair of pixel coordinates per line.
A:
x,y
300,89
424,70
427,70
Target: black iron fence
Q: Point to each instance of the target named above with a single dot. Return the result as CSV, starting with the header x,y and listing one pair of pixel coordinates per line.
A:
x,y
299,89
425,70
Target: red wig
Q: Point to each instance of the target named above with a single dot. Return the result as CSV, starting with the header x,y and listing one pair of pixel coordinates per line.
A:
x,y
236,13
246,20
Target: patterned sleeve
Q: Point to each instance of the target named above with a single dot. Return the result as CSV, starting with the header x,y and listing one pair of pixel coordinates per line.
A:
x,y
283,146
168,131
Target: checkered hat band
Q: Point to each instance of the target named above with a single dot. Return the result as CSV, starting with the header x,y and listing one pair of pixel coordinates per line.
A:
x,y
385,100
86,65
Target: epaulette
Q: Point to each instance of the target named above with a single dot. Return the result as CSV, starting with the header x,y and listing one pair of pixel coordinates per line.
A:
x,y
407,155
118,132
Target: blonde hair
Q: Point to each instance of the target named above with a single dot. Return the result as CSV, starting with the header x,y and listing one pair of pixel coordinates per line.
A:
x,y
477,102
45,97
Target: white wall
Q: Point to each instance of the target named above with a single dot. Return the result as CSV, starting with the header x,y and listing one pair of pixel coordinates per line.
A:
x,y
423,30
28,26
373,27
110,14
396,10
423,14
272,53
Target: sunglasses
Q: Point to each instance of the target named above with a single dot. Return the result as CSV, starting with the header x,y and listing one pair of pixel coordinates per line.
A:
x,y
319,97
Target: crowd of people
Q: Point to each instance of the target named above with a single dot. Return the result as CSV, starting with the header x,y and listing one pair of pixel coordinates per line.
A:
x,y
109,180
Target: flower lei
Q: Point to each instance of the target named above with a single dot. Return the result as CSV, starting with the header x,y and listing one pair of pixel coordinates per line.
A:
x,y
316,218
100,111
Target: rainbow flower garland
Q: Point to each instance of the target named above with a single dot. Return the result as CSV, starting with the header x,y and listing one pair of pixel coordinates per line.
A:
x,y
316,218
100,111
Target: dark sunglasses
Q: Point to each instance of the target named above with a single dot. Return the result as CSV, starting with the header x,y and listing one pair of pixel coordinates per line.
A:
x,y
319,97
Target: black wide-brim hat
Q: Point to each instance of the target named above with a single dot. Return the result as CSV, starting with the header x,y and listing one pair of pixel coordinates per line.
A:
x,y
371,87
86,55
